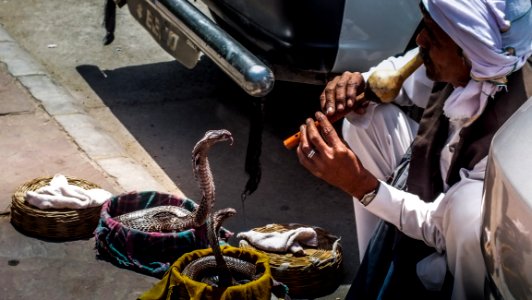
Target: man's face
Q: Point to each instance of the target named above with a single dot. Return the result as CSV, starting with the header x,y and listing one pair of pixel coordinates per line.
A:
x,y
441,55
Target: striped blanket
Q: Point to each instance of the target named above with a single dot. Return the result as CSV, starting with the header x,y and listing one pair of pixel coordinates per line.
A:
x,y
146,252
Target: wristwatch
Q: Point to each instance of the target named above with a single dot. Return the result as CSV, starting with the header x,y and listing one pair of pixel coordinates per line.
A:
x,y
367,198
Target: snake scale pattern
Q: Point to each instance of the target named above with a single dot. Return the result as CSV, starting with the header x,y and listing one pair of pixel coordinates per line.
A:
x,y
165,218
227,268
215,269
171,218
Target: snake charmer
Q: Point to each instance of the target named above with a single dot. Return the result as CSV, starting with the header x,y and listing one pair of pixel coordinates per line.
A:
x,y
476,72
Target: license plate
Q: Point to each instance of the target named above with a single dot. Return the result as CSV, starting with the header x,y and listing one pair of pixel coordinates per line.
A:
x,y
160,23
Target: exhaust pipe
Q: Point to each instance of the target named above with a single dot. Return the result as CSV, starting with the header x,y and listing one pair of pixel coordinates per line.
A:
x,y
250,73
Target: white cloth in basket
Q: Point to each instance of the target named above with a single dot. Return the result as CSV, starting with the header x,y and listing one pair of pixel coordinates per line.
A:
x,y
60,194
290,240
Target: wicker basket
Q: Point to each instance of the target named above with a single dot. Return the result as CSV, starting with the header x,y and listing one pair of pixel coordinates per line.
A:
x,y
55,224
315,274
150,253
175,285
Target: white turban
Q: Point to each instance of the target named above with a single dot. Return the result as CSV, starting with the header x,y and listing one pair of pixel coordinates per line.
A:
x,y
495,35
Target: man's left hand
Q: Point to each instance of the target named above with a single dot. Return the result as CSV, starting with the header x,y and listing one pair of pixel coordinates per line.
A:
x,y
324,154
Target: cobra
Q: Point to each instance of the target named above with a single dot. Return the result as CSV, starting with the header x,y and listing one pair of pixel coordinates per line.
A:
x,y
169,218
172,218
226,268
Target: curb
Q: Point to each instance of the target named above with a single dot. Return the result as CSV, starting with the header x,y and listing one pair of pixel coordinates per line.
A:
x,y
111,157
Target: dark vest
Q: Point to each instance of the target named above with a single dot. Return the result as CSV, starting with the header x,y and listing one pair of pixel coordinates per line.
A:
x,y
424,177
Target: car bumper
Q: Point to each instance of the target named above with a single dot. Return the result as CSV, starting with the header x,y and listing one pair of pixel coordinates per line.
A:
x,y
184,31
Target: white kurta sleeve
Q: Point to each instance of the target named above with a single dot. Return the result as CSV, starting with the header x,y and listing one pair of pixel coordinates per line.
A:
x,y
431,222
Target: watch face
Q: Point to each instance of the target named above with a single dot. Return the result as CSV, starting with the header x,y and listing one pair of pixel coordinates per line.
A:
x,y
369,196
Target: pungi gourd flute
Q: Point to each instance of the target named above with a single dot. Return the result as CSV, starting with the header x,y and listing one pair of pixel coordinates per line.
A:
x,y
384,84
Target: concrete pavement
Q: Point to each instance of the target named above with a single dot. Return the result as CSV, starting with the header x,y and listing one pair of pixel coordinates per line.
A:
x,y
45,131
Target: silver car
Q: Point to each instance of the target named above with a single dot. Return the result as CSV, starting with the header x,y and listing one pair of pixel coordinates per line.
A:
x,y
507,222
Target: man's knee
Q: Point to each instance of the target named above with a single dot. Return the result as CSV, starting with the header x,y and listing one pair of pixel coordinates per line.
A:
x,y
382,120
462,233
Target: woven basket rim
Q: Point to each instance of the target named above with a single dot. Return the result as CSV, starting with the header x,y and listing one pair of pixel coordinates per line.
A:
x,y
53,223
307,276
314,258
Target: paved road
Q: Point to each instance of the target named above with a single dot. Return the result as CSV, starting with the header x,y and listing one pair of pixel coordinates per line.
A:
x,y
166,108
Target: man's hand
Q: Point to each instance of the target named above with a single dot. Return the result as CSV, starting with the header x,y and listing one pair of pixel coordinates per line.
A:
x,y
326,156
340,93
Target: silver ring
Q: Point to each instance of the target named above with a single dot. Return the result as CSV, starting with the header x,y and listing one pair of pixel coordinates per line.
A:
x,y
311,154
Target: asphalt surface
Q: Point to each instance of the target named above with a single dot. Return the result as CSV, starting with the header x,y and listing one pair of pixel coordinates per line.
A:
x,y
126,117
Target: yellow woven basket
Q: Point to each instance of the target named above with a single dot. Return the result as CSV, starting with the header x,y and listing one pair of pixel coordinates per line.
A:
x,y
56,224
175,285
315,274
